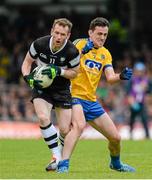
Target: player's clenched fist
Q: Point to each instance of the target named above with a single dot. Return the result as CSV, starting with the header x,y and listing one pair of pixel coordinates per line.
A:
x,y
126,74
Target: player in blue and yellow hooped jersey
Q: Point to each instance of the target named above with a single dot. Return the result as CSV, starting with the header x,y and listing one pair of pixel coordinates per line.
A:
x,y
95,60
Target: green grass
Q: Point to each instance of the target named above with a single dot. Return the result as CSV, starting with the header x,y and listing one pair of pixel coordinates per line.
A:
x,y
26,159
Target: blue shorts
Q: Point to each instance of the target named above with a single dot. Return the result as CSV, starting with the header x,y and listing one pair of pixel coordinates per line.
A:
x,y
92,110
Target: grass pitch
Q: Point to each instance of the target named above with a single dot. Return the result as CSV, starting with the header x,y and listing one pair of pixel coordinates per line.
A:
x,y
26,159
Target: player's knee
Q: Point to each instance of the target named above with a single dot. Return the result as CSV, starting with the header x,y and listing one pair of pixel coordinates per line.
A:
x,y
79,127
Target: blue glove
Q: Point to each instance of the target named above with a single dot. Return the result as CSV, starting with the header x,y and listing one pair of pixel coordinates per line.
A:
x,y
89,45
52,71
126,74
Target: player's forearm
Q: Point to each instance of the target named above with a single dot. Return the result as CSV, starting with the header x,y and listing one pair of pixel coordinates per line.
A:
x,y
111,79
111,76
70,73
26,66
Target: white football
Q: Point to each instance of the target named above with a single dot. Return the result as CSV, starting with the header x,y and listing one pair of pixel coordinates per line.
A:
x,y
46,81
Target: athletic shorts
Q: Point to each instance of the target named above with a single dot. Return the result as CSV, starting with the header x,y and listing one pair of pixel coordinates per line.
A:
x,y
60,98
92,110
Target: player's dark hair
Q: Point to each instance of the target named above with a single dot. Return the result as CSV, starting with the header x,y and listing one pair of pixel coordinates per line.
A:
x,y
99,21
63,22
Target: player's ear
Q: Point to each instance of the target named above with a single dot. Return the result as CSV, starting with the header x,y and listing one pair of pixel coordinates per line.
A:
x,y
51,32
68,36
90,32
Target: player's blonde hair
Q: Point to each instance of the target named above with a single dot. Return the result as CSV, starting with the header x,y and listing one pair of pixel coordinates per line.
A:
x,y
63,22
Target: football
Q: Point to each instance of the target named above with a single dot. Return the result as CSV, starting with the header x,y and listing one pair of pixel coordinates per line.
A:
x,y
46,81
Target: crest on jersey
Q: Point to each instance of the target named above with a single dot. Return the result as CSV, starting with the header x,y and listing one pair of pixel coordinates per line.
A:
x,y
94,55
102,56
62,59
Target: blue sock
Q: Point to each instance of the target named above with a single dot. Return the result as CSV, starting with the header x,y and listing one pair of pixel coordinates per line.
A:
x,y
115,161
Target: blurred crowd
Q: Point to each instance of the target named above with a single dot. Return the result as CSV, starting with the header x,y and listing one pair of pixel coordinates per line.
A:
x,y
15,102
18,31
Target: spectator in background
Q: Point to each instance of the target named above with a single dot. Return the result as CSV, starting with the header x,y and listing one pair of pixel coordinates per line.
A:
x,y
16,59
137,89
4,64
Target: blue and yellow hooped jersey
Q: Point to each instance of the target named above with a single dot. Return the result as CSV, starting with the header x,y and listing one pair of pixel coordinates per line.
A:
x,y
92,65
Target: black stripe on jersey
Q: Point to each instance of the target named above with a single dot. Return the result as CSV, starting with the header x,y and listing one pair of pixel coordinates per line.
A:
x,y
53,145
51,137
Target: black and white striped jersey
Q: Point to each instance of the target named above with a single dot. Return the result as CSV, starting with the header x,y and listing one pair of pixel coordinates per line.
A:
x,y
66,57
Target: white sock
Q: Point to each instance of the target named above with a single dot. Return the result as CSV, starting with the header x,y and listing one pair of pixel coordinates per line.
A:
x,y
50,136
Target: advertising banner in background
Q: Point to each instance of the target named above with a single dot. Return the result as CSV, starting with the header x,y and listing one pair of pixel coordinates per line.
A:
x,y
28,130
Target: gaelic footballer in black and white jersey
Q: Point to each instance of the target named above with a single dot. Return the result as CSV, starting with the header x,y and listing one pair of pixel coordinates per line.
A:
x,y
66,57
55,49
63,58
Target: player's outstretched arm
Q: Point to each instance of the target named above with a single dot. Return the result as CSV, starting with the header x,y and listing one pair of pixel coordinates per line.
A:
x,y
113,77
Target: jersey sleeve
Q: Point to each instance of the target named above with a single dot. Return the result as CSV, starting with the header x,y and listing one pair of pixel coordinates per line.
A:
x,y
79,44
108,60
74,58
34,49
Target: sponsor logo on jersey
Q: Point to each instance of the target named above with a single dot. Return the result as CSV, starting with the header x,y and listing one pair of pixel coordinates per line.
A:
x,y
66,104
43,55
93,65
